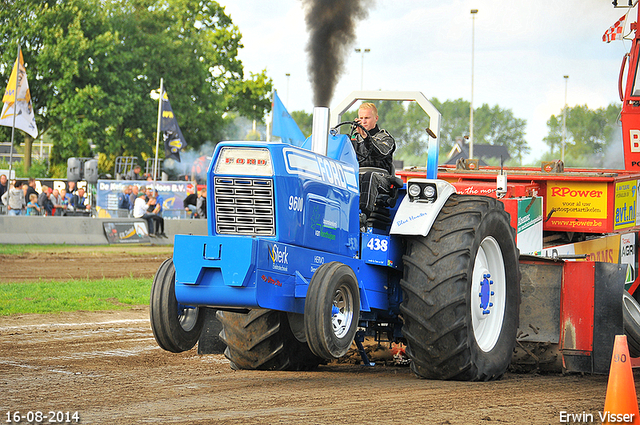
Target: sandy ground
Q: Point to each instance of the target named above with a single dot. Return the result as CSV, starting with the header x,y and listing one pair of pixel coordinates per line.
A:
x,y
84,263
107,367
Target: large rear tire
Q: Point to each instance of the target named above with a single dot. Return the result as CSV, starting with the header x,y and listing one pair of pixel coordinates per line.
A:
x,y
332,310
175,327
461,289
262,340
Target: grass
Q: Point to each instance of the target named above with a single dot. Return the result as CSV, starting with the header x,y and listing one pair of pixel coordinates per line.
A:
x,y
73,295
9,249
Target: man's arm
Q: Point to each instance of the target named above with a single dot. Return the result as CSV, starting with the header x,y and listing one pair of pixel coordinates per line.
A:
x,y
383,143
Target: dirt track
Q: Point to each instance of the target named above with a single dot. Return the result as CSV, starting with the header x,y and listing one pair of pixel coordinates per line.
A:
x,y
107,366
84,263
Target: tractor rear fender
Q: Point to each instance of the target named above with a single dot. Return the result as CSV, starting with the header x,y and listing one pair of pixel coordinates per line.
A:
x,y
419,209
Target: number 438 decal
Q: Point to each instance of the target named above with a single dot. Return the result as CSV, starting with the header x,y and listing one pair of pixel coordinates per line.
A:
x,y
376,244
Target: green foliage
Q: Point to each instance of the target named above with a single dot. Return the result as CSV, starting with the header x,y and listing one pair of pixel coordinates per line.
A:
x,y
455,121
91,65
304,121
73,295
590,135
39,169
251,98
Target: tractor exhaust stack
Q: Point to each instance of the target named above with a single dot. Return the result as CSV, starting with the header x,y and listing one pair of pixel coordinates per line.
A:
x,y
320,130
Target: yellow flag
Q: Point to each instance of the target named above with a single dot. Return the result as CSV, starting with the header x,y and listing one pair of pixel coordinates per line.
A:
x,y
10,92
18,103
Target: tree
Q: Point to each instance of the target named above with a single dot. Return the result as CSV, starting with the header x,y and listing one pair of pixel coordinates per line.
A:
x,y
495,126
93,63
304,121
589,134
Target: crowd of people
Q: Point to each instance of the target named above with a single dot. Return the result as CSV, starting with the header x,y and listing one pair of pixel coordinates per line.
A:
x,y
23,198
146,203
20,198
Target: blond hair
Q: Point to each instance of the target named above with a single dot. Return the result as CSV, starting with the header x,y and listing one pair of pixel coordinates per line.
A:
x,y
369,105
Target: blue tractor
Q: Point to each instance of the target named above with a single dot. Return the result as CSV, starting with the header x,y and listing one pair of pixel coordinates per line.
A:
x,y
296,275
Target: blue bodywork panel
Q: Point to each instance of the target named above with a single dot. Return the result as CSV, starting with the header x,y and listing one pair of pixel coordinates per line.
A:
x,y
251,272
316,217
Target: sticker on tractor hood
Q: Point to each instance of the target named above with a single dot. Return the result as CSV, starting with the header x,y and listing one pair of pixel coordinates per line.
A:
x,y
318,167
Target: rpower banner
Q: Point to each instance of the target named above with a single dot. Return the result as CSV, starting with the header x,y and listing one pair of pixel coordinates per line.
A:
x,y
576,205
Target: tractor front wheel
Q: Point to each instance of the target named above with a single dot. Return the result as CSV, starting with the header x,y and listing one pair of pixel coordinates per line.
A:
x,y
332,310
461,289
175,327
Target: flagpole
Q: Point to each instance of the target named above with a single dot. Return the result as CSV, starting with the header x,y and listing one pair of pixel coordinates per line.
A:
x,y
270,119
15,105
155,163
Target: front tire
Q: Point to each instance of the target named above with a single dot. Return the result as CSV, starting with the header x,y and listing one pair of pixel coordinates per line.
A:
x,y
176,328
461,292
332,310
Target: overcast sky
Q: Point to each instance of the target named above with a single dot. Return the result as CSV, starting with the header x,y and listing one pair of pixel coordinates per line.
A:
x,y
523,49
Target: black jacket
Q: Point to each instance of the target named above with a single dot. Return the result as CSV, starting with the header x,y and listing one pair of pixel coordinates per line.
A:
x,y
375,151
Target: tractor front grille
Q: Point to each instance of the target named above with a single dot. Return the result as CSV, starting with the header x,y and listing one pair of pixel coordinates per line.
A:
x,y
244,206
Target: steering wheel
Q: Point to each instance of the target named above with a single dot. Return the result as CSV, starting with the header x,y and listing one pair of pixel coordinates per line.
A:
x,y
353,124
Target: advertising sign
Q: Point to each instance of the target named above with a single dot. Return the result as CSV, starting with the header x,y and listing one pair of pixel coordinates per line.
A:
x,y
605,249
617,249
126,233
173,194
526,218
529,230
628,255
576,206
625,205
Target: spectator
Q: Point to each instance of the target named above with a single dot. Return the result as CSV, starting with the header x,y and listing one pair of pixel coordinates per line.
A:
x,y
4,186
32,207
72,188
79,202
135,173
14,199
148,194
123,200
155,209
201,205
58,202
65,199
133,196
140,210
159,202
31,188
44,202
190,202
70,192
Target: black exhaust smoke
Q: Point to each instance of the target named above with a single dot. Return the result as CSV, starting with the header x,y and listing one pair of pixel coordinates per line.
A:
x,y
331,25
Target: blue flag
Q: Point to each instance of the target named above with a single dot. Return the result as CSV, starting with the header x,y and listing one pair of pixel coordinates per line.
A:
x,y
284,125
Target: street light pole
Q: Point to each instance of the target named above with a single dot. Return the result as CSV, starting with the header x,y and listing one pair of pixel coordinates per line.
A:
x,y
564,118
363,51
473,31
